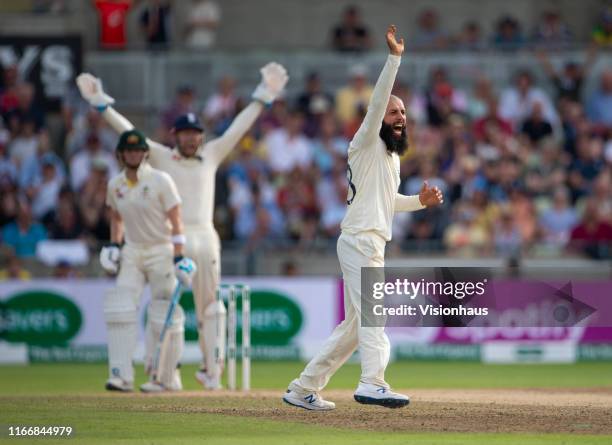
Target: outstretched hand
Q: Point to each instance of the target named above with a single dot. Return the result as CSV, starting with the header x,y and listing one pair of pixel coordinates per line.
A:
x,y
430,196
396,47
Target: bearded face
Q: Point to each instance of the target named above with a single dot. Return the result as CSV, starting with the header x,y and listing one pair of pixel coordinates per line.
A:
x,y
393,129
394,137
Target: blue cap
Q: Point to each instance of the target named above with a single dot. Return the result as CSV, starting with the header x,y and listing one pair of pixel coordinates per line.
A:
x,y
188,121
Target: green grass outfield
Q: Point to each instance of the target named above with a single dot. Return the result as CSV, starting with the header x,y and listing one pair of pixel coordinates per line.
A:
x,y
65,394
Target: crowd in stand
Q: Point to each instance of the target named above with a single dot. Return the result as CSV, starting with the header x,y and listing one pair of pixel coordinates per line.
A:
x,y
523,171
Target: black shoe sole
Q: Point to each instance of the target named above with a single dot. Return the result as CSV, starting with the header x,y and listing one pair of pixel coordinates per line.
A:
x,y
387,403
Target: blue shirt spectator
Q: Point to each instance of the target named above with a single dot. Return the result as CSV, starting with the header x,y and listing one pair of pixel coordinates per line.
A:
x,y
23,234
599,107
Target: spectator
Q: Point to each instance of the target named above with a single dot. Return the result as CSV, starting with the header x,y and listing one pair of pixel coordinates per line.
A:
x,y
587,166
83,160
45,191
508,35
570,81
602,33
184,103
23,234
517,101
297,201
506,235
8,93
535,126
314,103
222,104
74,111
464,236
470,38
202,23
599,106
551,31
491,122
25,145
31,172
93,212
155,23
8,206
28,109
593,236
443,100
413,101
546,172
482,95
429,35
287,147
329,149
112,16
8,171
354,95
332,190
66,223
258,221
351,35
14,270
556,222
94,125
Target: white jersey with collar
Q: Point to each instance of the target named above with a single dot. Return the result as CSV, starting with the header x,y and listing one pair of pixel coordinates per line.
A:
x,y
194,177
144,205
373,172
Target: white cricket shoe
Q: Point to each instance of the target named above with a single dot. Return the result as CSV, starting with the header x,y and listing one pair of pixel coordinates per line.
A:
x,y
212,383
154,386
309,400
118,384
370,394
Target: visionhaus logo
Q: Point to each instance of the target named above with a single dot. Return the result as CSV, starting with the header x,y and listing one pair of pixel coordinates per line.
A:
x,y
39,318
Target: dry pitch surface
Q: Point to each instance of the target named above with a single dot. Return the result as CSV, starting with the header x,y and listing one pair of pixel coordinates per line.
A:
x,y
568,411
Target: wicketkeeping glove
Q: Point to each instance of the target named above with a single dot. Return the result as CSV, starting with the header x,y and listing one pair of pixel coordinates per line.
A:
x,y
273,80
184,269
110,257
91,90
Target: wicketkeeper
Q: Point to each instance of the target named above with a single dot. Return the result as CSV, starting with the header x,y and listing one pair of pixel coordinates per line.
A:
x,y
145,215
193,165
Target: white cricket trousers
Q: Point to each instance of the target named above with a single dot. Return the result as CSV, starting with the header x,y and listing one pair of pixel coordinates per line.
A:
x,y
365,249
204,248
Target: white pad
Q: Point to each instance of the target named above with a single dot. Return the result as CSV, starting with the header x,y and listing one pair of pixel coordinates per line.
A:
x,y
214,332
121,324
172,348
121,345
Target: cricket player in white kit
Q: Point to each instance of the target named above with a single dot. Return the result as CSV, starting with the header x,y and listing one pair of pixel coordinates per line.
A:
x,y
373,173
145,213
193,165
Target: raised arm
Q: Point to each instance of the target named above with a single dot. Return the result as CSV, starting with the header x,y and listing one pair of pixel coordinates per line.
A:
x,y
370,127
273,80
92,91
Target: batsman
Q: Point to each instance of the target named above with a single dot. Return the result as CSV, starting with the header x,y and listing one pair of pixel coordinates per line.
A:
x,y
192,164
374,178
145,213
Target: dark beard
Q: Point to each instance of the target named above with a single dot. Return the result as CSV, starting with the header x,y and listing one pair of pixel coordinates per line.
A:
x,y
394,143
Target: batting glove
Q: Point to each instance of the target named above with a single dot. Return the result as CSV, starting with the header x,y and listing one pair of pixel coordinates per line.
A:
x,y
91,90
110,257
184,269
273,80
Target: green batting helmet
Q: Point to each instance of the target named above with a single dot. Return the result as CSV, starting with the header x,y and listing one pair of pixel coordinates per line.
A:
x,y
132,140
